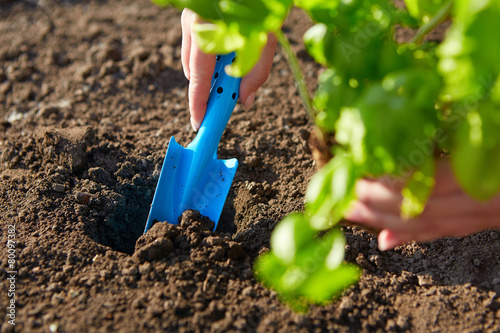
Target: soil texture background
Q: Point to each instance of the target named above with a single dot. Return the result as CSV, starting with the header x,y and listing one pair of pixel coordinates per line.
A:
x,y
90,94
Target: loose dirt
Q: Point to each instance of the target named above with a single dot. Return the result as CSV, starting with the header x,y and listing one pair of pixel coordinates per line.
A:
x,y
90,93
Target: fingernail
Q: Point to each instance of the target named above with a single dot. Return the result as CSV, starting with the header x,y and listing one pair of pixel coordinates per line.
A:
x,y
195,125
248,103
387,240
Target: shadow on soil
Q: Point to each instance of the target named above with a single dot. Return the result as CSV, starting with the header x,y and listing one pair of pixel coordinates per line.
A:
x,y
123,219
126,224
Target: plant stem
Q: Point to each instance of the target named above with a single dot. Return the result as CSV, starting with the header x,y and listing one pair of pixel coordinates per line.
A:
x,y
299,79
441,16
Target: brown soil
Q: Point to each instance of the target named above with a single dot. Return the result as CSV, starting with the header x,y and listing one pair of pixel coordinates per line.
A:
x,y
90,93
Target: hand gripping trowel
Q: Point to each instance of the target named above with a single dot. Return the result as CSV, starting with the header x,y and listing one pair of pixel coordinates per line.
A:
x,y
193,177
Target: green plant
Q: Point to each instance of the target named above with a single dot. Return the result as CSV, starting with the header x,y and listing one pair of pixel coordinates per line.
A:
x,y
389,105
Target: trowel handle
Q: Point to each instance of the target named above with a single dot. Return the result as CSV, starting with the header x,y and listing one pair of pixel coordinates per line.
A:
x,y
223,96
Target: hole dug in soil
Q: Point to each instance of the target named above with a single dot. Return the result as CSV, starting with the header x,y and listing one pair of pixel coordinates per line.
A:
x,y
116,209
114,196
125,224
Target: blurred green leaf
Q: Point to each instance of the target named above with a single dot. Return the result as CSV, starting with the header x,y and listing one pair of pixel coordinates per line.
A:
x,y
314,40
423,10
351,134
326,284
313,274
471,70
220,38
402,106
350,16
331,190
476,159
418,188
250,15
357,55
207,9
293,227
332,95
354,37
469,54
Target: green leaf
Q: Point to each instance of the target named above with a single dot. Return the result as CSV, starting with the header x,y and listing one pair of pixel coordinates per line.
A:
x,y
495,91
314,40
400,121
350,16
326,284
319,187
315,274
290,235
469,54
470,67
476,159
220,38
418,188
269,270
466,10
357,57
351,134
354,37
331,190
423,10
319,10
332,95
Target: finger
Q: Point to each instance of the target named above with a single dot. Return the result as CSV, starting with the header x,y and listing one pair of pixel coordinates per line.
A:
x,y
379,197
455,226
426,229
187,20
457,202
259,74
387,240
201,69
449,205
360,213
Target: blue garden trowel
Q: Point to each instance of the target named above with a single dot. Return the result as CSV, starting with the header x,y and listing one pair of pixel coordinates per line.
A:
x,y
193,177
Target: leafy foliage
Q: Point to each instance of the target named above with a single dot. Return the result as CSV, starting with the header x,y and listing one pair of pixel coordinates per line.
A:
x,y
477,156
304,268
389,105
418,189
469,64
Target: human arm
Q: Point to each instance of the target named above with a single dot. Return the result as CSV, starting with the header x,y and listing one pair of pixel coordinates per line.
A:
x,y
449,211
